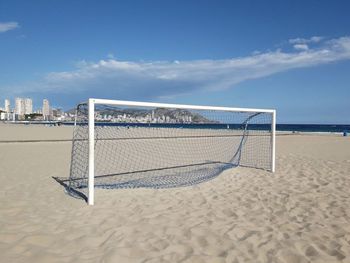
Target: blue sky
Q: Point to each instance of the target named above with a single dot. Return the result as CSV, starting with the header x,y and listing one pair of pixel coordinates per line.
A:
x,y
290,55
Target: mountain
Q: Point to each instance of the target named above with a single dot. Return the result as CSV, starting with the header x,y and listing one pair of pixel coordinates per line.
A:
x,y
174,114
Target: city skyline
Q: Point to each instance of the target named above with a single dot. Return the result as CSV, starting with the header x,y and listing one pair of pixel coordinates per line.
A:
x,y
11,101
21,105
291,56
23,110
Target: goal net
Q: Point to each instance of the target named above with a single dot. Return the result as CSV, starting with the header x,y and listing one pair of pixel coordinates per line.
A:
x,y
163,145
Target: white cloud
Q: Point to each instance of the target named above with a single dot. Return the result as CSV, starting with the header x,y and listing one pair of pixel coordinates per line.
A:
x,y
305,40
7,26
149,80
314,39
301,46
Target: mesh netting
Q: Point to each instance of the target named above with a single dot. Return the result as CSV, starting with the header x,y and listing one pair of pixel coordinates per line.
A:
x,y
162,148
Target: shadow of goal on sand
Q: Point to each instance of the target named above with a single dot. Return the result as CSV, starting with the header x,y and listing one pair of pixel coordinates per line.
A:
x,y
158,178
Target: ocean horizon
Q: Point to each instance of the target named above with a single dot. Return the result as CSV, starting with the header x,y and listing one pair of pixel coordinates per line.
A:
x,y
279,127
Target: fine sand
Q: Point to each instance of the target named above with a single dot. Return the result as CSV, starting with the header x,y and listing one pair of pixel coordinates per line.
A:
x,y
299,214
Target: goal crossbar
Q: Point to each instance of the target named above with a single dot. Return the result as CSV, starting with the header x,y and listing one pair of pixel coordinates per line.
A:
x,y
173,106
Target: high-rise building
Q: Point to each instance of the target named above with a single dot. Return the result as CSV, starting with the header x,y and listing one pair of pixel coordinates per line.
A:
x,y
46,109
23,106
19,106
7,106
28,106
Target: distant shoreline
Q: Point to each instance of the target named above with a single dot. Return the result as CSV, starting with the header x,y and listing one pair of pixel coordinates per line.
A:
x,y
292,128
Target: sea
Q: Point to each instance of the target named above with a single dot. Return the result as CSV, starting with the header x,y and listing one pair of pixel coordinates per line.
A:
x,y
340,128
313,127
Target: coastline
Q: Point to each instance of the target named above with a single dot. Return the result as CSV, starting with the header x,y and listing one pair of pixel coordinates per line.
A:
x,y
64,132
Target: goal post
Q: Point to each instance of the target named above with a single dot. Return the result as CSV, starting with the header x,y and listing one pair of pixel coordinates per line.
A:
x,y
119,144
273,141
91,165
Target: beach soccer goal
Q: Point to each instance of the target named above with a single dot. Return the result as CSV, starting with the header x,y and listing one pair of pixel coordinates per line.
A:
x,y
127,144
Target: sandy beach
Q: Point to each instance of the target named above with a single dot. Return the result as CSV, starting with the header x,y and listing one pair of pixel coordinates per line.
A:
x,y
298,214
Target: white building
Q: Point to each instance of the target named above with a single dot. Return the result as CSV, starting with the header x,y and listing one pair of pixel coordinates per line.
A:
x,y
7,106
7,116
19,106
46,109
23,106
28,106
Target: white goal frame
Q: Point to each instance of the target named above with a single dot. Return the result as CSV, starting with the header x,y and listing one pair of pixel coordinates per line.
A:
x,y
91,126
